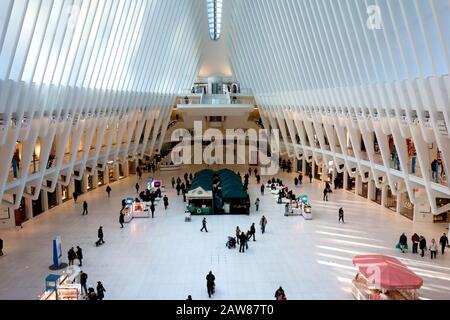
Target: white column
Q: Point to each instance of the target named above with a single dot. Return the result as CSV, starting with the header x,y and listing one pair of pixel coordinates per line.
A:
x,y
84,183
106,176
345,184
58,191
371,190
384,196
126,167
44,200
399,203
358,184
95,180
28,205
116,171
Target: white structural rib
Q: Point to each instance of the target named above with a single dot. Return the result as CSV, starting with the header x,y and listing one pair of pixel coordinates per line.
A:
x,y
332,80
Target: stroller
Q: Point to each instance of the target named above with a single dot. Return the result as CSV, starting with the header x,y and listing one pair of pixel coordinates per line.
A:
x,y
231,243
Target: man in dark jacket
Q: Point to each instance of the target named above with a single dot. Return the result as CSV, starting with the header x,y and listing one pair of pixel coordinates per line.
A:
x,y
83,281
152,209
85,208
415,239
71,255
75,197
124,203
80,255
444,242
341,215
121,218
108,191
243,240
210,283
178,187
422,245
403,242
137,187
204,225
166,202
100,291
100,235
262,189
325,194
253,231
1,247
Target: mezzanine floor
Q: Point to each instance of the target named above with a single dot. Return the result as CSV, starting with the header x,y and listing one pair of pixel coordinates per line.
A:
x,y
167,258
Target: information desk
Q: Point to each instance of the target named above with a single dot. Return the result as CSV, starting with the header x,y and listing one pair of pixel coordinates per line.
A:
x,y
63,287
136,210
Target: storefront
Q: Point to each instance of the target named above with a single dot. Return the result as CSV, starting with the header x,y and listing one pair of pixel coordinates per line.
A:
x,y
132,167
391,200
65,194
377,195
90,183
121,171
52,198
444,217
318,172
364,192
78,185
101,178
351,184
20,215
37,205
111,175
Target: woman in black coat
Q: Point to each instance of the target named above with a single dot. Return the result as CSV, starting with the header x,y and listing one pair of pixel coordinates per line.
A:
x,y
121,218
100,291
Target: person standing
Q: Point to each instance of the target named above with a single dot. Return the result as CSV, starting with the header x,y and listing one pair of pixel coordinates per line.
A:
x,y
100,291
263,224
85,208
178,187
415,239
253,231
433,249
300,178
1,247
152,209
243,240
166,202
279,294
108,191
124,203
257,204
443,241
258,179
83,281
191,176
140,174
204,225
71,255
210,283
256,172
75,197
296,182
403,243
137,187
262,189
422,245
80,256
100,235
173,183
341,215
310,177
238,233
121,218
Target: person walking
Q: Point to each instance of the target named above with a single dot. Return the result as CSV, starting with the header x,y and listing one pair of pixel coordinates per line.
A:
x,y
253,231
92,296
1,247
140,174
124,203
210,283
121,218
100,235
262,189
403,243
443,241
152,209
341,215
433,249
100,291
204,225
415,239
79,254
137,187
279,294
85,208
166,202
300,179
258,179
75,197
325,194
173,183
257,204
71,255
108,191
243,240
422,245
238,233
310,177
83,282
263,224
178,187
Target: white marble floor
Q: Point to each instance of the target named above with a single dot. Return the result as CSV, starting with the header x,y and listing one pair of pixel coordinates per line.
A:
x,y
167,258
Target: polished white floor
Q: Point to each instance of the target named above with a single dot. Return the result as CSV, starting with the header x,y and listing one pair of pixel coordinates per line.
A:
x,y
167,258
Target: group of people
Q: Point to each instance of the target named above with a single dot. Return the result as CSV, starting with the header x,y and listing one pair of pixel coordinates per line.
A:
x,y
243,238
419,242
72,255
90,293
182,187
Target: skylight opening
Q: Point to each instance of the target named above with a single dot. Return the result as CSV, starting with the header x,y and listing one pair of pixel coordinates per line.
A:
x,y
215,19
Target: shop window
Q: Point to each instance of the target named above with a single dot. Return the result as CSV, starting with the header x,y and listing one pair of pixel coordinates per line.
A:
x,y
52,198
391,201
